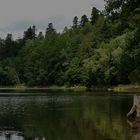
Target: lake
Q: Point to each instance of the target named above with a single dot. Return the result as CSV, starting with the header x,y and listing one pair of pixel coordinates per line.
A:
x,y
65,116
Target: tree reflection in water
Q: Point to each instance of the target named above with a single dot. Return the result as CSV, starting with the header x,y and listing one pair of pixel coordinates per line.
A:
x,y
65,117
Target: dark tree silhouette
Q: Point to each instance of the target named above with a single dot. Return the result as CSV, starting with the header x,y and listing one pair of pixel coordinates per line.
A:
x,y
94,15
75,22
84,20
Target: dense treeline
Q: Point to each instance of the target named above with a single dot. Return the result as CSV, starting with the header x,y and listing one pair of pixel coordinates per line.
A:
x,y
101,50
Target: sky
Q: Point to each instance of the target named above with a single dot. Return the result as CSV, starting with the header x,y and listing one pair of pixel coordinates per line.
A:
x,y
17,15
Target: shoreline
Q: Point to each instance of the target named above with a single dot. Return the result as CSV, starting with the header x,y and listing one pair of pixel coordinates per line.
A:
x,y
119,88
51,88
135,88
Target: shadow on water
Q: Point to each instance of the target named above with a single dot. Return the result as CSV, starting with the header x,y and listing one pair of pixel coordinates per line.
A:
x,y
64,116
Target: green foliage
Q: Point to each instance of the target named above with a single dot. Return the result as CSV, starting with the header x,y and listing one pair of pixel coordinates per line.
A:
x,y
84,20
30,33
75,22
8,73
75,73
104,50
94,15
50,30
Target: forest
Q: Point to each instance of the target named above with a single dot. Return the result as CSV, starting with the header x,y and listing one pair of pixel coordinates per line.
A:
x,y
103,49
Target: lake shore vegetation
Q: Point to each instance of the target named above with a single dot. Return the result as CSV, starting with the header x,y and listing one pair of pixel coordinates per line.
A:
x,y
101,50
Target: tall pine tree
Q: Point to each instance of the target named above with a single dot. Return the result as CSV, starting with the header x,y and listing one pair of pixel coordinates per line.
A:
x,y
94,15
84,20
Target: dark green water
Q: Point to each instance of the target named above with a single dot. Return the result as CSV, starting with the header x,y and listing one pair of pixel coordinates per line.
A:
x,y
65,116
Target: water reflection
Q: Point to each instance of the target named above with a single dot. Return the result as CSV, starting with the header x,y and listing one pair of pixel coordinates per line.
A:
x,y
64,117
11,135
15,135
135,108
134,117
135,125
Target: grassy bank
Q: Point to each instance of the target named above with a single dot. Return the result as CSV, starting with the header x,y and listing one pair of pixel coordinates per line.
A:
x,y
76,88
125,88
120,88
50,88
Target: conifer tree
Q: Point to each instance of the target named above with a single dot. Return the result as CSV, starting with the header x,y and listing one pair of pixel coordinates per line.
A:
x,y
75,22
94,15
84,20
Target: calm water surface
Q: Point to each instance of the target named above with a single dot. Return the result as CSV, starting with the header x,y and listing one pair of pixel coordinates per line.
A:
x,y
65,116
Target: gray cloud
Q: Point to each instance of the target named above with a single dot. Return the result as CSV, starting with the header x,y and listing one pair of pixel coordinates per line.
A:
x,y
58,21
17,15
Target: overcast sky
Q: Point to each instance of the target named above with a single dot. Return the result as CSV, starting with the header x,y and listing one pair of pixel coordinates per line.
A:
x,y
18,15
